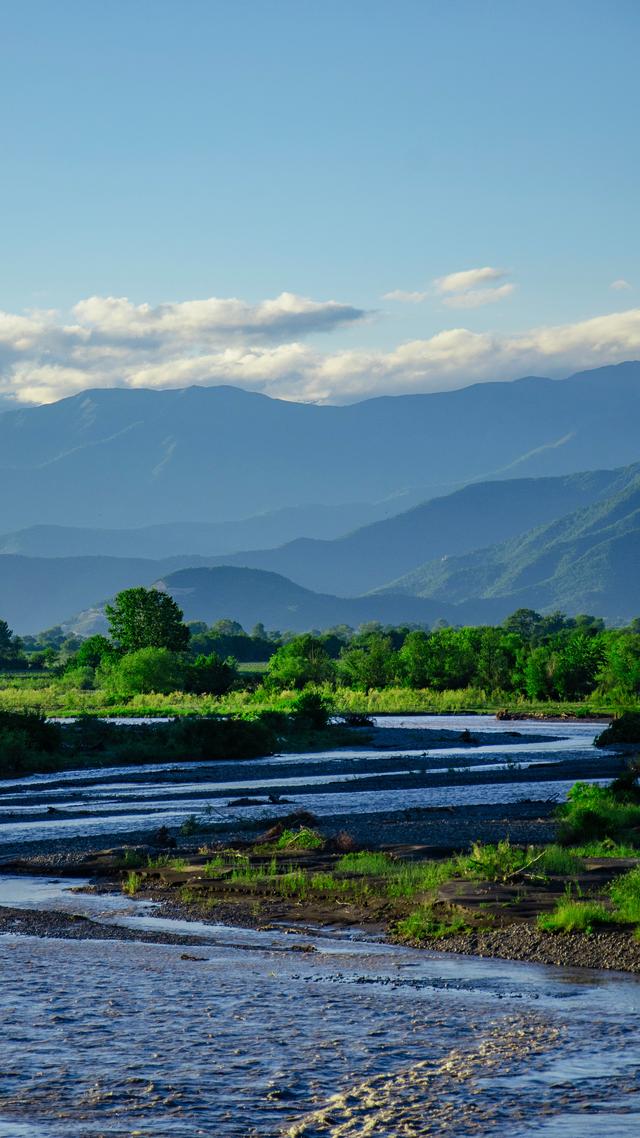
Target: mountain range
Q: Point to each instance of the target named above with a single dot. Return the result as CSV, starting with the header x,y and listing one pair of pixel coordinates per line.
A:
x,y
470,553
129,458
586,561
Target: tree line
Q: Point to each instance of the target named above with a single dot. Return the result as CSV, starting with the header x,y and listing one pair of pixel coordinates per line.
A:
x,y
150,648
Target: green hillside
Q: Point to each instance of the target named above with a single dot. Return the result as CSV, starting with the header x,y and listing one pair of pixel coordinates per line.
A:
x,y
586,561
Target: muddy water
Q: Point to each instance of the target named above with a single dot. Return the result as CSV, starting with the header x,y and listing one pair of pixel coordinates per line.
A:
x,y
248,1039
253,1039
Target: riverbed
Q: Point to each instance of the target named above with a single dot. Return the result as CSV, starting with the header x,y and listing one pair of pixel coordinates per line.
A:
x,y
242,1033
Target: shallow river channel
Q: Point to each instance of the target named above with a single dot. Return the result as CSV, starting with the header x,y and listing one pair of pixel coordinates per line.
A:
x,y
242,1034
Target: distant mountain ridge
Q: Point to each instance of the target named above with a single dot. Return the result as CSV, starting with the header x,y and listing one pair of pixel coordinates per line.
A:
x,y
37,592
122,458
254,595
204,539
480,514
586,561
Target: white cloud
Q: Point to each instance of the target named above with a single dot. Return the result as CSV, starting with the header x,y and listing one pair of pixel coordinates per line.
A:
x,y
473,288
477,297
405,297
113,343
469,278
620,285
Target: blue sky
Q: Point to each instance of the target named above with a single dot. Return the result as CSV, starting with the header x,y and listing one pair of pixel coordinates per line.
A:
x,y
171,151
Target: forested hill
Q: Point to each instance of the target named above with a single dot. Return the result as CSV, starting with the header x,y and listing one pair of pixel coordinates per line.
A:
x,y
253,596
471,518
584,562
126,458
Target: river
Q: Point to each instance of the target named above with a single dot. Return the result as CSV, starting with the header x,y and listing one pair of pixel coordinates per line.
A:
x,y
241,1036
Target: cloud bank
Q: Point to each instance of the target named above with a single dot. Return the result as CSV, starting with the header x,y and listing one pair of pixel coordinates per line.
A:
x,y
111,342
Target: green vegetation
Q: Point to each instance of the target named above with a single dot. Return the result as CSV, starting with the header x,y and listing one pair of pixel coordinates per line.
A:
x,y
302,839
154,663
29,743
625,895
599,814
624,729
495,863
571,916
146,618
420,901
132,882
425,924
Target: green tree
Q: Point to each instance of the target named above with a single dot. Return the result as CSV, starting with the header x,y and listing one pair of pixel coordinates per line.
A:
x,y
146,618
370,663
301,661
147,670
210,674
10,645
92,651
414,660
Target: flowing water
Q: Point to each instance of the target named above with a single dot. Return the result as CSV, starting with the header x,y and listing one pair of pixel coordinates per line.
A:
x,y
122,799
240,1035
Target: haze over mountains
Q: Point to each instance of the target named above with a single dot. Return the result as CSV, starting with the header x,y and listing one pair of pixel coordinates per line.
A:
x,y
126,458
586,561
89,488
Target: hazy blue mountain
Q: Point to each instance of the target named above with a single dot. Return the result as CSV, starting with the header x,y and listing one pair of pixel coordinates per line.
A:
x,y
38,592
471,518
584,562
201,538
122,458
252,595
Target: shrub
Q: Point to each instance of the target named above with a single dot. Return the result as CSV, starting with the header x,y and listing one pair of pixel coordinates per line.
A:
x,y
312,710
592,813
144,671
624,729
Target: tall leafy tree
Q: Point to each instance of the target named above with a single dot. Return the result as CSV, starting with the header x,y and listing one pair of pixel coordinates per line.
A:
x,y
146,618
302,661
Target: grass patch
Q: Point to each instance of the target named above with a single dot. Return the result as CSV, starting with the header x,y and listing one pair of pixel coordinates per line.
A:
x,y
494,863
560,862
571,916
302,839
625,894
132,883
606,848
425,924
367,864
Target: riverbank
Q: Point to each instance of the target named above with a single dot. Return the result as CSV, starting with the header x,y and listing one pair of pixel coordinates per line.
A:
x,y
491,902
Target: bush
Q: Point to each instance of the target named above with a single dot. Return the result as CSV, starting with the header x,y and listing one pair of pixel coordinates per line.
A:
x,y
147,670
77,679
624,729
27,741
312,710
593,813
217,738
